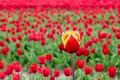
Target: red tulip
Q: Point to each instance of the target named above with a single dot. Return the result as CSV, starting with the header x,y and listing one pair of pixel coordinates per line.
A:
x,y
7,39
81,34
111,70
92,50
56,73
87,70
45,71
2,75
118,51
33,68
18,68
1,64
67,28
9,69
41,59
86,52
43,43
109,36
109,41
40,69
80,51
80,63
14,39
18,44
105,45
105,51
48,56
99,79
89,42
5,50
52,77
67,71
2,43
74,28
98,67
94,39
117,35
118,45
88,33
19,37
15,76
15,63
61,46
86,44
19,51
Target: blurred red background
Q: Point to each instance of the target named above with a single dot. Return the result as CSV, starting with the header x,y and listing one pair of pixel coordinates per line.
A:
x,y
60,3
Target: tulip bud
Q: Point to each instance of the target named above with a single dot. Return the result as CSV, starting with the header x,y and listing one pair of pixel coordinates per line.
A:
x,y
105,51
19,51
61,46
80,63
71,41
2,75
111,70
15,76
98,67
52,77
41,59
48,56
56,73
18,45
1,64
118,51
33,68
87,70
45,71
67,71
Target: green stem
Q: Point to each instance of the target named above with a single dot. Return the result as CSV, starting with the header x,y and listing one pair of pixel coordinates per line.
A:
x,y
72,65
42,77
112,78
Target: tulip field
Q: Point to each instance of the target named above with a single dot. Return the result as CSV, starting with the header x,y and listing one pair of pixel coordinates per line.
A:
x,y
59,44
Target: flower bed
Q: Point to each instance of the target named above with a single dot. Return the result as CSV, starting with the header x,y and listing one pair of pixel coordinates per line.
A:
x,y
32,41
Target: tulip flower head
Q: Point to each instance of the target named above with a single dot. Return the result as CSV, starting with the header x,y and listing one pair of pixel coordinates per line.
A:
x,y
111,70
71,41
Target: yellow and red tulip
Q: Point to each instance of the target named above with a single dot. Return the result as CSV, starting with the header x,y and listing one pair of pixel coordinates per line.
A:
x,y
71,41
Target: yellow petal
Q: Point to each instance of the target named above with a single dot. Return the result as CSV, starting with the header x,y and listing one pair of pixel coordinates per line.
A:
x,y
67,34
